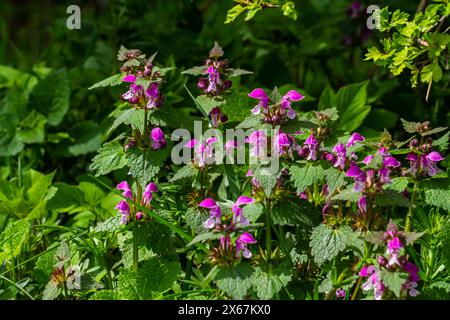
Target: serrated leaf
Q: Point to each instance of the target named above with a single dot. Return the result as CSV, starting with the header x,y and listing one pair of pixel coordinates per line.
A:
x,y
266,179
114,80
110,157
327,243
237,72
348,195
393,280
437,193
195,71
306,176
205,237
267,285
145,165
253,211
335,179
155,275
287,212
110,225
195,219
398,184
235,281
188,171
13,238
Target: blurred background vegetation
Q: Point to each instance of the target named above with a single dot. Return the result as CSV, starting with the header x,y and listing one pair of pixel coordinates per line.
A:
x,y
324,46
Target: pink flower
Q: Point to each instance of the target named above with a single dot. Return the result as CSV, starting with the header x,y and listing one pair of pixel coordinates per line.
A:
x,y
341,156
282,143
241,244
203,151
238,216
147,196
263,98
286,102
123,207
158,139
355,137
394,245
214,211
340,294
312,146
258,141
123,186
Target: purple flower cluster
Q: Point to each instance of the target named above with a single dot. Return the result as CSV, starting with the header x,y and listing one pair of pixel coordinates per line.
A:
x,y
393,261
227,225
144,88
275,112
214,82
125,209
422,159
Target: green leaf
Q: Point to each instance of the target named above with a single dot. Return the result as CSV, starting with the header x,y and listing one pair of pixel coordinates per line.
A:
x,y
266,178
348,195
44,267
51,96
287,212
205,237
234,12
188,171
237,72
306,176
327,98
67,197
10,143
437,193
442,142
110,225
253,211
335,180
351,103
195,71
86,138
114,80
267,285
389,198
105,295
235,281
195,219
393,280
110,157
154,276
13,237
327,243
398,184
145,165
32,128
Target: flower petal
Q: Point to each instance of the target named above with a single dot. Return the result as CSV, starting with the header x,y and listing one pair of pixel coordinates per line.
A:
x,y
208,203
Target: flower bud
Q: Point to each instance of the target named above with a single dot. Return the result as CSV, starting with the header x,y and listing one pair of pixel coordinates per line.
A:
x,y
382,261
227,84
134,100
414,143
147,72
139,216
202,83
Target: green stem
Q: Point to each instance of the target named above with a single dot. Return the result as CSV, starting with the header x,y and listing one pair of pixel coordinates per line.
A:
x,y
135,249
355,292
268,234
411,209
